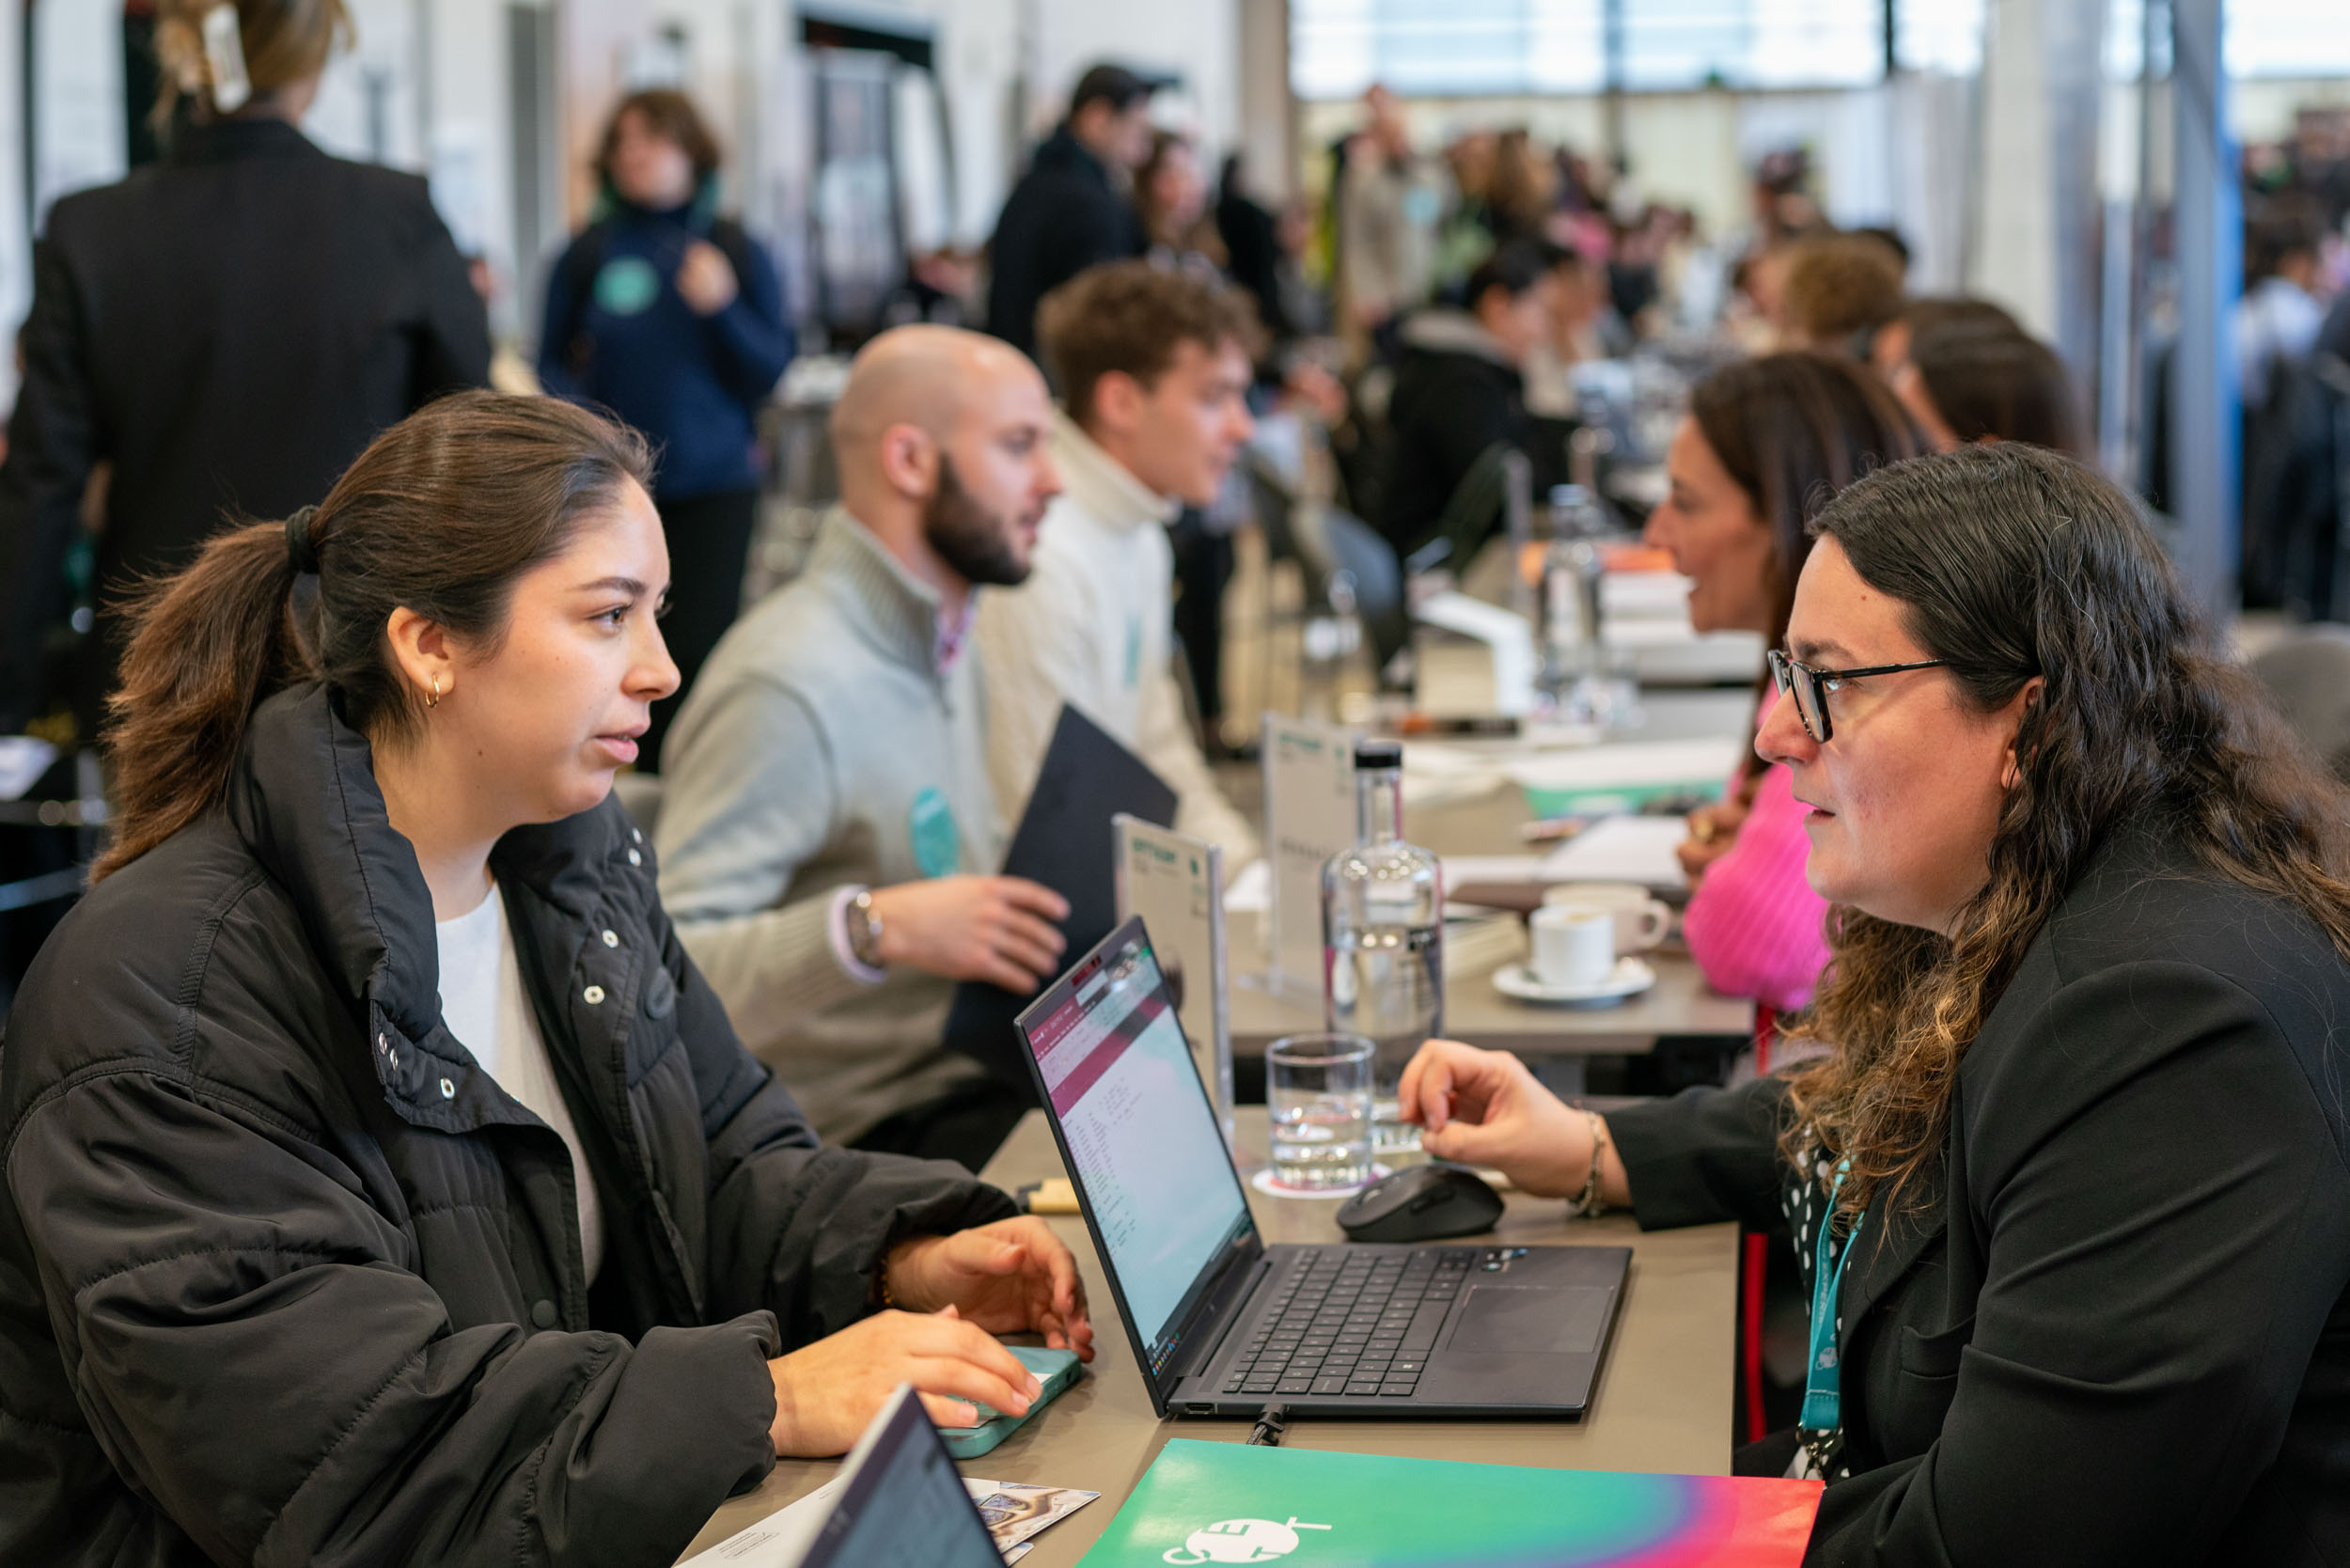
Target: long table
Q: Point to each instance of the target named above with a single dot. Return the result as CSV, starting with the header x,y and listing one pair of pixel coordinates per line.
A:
x,y
1680,1003
1663,1402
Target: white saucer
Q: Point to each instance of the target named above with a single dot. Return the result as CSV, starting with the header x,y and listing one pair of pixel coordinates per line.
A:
x,y
1262,1180
1629,977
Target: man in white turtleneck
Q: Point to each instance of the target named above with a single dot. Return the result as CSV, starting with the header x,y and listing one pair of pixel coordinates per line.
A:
x,y
1153,371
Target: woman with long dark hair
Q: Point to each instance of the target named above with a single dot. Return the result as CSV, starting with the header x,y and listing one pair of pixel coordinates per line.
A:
x,y
383,1181
2068,1184
1766,443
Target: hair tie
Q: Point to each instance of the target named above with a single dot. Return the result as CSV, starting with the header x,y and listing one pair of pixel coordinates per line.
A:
x,y
300,547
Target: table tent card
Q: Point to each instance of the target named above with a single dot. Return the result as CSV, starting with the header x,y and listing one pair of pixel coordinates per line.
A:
x,y
1225,1502
1309,817
1175,882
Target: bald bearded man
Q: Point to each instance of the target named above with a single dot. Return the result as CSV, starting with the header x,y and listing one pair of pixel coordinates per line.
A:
x,y
828,824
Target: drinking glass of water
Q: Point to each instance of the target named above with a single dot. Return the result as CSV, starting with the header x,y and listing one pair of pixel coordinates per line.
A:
x,y
1317,1090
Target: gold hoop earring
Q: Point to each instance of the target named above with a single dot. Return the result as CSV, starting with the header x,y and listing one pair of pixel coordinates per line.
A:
x,y
435,699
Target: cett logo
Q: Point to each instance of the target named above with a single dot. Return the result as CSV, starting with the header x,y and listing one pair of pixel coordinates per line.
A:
x,y
1238,1541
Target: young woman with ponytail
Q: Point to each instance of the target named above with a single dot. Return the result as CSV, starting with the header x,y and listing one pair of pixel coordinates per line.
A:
x,y
384,1184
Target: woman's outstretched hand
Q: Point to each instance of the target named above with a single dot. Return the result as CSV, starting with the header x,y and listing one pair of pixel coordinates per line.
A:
x,y
1483,1107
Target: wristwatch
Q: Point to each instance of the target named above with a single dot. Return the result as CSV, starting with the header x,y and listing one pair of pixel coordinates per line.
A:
x,y
864,930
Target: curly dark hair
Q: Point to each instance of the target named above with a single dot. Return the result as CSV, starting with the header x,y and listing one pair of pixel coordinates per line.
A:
x,y
2014,562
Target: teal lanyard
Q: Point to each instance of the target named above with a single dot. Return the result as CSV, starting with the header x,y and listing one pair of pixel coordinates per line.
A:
x,y
1822,1375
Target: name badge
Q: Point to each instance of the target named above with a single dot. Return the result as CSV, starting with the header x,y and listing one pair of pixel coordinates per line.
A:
x,y
937,842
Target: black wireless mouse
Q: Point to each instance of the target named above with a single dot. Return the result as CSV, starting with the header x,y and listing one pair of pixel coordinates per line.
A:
x,y
1421,1202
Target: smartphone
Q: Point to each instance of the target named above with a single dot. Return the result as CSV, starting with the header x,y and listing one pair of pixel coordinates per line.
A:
x,y
1055,1369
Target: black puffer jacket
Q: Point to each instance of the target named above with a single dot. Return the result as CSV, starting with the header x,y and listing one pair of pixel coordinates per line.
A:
x,y
285,1278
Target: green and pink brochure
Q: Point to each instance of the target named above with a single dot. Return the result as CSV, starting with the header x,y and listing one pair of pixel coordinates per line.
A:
x,y
1225,1502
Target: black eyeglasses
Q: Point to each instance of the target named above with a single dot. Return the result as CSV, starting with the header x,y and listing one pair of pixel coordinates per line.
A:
x,y
1810,687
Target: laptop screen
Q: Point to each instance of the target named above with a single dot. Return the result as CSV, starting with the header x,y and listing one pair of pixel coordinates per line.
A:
x,y
1141,1135
905,1505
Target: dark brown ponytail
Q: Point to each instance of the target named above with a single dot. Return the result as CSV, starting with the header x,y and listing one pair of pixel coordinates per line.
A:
x,y
440,515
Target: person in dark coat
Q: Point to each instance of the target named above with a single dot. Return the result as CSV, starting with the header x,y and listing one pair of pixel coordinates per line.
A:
x,y
2065,1170
1460,388
670,316
384,1182
224,330
1072,209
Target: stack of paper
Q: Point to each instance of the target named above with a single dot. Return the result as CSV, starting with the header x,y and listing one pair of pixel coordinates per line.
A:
x,y
1478,941
1620,849
1624,776
1436,774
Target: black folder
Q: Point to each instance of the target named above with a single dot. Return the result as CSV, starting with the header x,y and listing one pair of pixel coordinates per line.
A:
x,y
1065,842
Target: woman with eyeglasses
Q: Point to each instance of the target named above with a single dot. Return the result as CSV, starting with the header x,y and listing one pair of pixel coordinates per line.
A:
x,y
1766,443
2069,1187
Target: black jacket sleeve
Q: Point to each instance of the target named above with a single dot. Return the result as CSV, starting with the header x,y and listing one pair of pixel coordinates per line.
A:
x,y
795,1228
54,443
321,1409
1704,1155
2167,1229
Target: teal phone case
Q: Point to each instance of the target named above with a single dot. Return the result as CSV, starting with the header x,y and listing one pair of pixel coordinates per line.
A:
x,y
1055,1369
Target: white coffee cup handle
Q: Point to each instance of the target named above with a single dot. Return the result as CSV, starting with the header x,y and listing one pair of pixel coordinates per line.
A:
x,y
1655,919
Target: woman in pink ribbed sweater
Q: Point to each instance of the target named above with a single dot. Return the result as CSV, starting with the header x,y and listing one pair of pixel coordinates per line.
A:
x,y
1766,443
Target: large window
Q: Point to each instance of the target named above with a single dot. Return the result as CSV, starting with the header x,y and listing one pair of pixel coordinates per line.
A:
x,y
1673,44
1447,47
1337,48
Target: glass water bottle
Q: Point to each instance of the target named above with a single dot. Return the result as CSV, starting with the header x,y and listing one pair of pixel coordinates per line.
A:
x,y
1571,569
1382,938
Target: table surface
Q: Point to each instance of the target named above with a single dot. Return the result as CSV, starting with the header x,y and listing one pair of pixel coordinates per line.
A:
x,y
1663,1402
1680,1003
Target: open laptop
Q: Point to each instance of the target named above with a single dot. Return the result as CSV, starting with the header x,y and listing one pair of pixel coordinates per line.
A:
x,y
901,1502
1222,1323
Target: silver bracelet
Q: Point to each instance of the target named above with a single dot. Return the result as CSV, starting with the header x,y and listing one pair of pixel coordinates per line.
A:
x,y
1588,1204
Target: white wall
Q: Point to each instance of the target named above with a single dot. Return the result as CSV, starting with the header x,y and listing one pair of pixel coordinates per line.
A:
x,y
469,146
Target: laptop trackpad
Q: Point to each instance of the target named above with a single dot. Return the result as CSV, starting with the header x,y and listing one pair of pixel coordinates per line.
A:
x,y
1501,1318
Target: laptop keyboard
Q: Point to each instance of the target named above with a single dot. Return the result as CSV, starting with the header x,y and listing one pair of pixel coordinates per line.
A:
x,y
1345,1322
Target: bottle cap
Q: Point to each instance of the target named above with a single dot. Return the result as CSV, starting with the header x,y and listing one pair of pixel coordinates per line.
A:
x,y
1371,755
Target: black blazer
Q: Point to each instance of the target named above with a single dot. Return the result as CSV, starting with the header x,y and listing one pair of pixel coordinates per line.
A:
x,y
1452,399
1065,215
2120,1331
227,329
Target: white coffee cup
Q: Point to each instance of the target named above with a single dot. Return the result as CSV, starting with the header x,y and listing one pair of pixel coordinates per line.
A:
x,y
1642,920
1573,948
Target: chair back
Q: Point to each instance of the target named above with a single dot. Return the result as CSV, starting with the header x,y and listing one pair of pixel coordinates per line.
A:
x,y
2308,672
